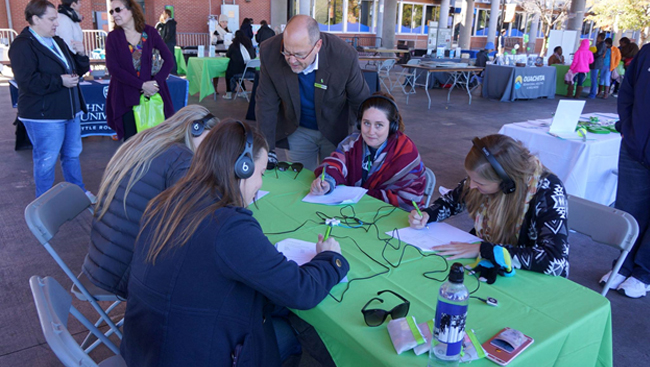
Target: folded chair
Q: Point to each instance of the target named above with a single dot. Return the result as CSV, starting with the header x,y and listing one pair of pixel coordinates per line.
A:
x,y
44,217
605,225
384,73
53,305
409,75
248,74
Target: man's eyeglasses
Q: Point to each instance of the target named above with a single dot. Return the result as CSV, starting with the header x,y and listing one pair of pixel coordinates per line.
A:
x,y
301,58
285,166
375,316
117,10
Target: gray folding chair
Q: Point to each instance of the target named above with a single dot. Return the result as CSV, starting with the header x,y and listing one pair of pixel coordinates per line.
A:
x,y
248,74
606,225
409,75
53,305
430,186
384,73
44,217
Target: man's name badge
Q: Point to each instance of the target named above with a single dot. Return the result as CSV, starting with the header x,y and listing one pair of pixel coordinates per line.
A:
x,y
321,86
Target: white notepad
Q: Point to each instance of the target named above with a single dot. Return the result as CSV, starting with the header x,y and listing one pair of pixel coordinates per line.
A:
x,y
299,251
339,196
435,235
566,119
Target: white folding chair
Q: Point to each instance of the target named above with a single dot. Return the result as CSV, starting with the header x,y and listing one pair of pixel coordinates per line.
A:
x,y
605,225
248,74
430,186
44,217
384,73
409,75
53,305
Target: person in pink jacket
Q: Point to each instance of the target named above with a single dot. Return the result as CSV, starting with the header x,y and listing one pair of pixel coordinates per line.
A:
x,y
580,67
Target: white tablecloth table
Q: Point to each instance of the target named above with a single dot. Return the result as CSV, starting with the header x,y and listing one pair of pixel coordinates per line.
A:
x,y
588,169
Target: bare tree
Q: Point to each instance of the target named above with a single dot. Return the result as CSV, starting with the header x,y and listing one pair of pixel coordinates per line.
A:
x,y
552,13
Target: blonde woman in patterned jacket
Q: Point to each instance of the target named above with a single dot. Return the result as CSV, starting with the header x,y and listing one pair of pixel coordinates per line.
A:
x,y
516,203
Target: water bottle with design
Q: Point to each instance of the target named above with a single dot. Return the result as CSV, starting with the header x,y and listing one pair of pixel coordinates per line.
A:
x,y
451,312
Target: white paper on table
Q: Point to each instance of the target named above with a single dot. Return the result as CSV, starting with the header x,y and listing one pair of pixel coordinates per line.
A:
x,y
260,194
340,195
103,81
85,83
299,251
435,235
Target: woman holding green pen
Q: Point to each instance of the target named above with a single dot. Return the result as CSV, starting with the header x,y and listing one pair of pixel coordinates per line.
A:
x,y
381,158
516,203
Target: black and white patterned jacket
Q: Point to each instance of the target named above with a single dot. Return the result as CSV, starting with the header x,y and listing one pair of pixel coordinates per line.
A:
x,y
543,239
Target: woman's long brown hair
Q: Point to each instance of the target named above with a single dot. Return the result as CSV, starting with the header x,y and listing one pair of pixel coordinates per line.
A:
x,y
176,213
136,11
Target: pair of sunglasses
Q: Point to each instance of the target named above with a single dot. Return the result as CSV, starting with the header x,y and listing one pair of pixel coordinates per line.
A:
x,y
285,166
376,316
116,10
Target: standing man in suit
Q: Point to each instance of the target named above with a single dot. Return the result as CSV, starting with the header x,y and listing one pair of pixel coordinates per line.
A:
x,y
169,34
310,89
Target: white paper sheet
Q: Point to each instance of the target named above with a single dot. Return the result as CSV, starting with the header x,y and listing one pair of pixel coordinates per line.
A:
x,y
340,195
435,235
299,251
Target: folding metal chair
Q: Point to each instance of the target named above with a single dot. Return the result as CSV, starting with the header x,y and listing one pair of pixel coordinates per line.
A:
x,y
605,225
430,186
384,73
248,74
44,217
53,305
409,75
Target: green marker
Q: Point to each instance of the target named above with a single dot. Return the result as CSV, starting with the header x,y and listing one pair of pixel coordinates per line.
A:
x,y
322,174
416,207
327,233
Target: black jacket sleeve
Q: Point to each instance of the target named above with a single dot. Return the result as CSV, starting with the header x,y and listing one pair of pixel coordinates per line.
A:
x,y
24,63
447,205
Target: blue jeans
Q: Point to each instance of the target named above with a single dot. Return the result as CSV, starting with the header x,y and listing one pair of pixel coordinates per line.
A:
x,y
579,79
605,76
49,140
594,83
288,343
633,196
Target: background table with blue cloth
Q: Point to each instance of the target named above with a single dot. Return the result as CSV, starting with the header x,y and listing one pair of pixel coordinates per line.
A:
x,y
571,324
95,92
561,86
509,83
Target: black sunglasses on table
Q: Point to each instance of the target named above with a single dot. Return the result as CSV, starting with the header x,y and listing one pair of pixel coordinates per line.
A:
x,y
285,166
375,316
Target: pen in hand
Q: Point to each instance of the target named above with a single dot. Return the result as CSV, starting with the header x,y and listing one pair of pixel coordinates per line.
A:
x,y
418,210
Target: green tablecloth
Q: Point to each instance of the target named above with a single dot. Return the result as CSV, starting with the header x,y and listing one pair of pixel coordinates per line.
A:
x,y
181,66
201,70
571,324
560,87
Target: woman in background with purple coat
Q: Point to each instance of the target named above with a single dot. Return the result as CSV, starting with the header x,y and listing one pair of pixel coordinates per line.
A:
x,y
130,58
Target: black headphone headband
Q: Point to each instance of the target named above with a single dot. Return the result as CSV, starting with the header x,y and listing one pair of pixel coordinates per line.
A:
x,y
198,126
244,165
507,185
394,125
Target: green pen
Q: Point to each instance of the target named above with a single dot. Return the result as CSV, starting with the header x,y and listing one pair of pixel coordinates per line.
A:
x,y
327,233
322,174
416,207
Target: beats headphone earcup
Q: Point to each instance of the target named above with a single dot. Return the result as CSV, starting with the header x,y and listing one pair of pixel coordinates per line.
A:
x,y
197,128
244,167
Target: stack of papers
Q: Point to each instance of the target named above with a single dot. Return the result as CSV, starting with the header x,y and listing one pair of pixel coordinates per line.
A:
x,y
299,251
339,196
435,235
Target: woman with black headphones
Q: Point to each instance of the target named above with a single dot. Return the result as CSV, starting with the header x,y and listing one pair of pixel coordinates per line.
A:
x,y
142,168
381,158
516,203
204,277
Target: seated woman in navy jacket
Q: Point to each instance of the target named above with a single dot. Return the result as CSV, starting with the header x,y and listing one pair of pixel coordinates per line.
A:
x,y
204,278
